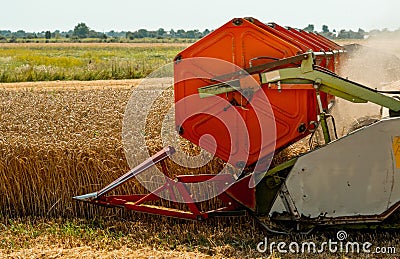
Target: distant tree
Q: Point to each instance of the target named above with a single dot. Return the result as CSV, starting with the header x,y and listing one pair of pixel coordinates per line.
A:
x,y
198,34
112,34
30,35
190,34
81,30
160,33
47,35
13,39
20,34
181,33
326,33
56,34
206,32
361,33
142,33
6,33
309,28
343,34
129,35
152,34
94,34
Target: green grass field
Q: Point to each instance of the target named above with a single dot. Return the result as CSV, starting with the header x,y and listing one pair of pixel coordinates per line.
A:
x,y
49,62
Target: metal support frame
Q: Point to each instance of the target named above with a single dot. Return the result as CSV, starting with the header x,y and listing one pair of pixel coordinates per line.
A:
x,y
233,206
159,156
322,114
289,203
331,83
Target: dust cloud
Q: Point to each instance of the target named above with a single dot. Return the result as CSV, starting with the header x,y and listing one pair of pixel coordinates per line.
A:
x,y
374,63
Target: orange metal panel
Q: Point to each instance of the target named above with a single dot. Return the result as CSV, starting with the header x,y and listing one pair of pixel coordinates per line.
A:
x,y
333,45
239,131
310,45
310,37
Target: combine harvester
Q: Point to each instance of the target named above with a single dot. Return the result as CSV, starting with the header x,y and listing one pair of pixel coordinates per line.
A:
x,y
279,91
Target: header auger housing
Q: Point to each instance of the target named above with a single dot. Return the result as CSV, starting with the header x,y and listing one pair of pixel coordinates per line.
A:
x,y
265,88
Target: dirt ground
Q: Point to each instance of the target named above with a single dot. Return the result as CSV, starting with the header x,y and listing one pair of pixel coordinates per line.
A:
x,y
71,85
42,250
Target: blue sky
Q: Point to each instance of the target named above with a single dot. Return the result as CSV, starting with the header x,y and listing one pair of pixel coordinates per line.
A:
x,y
106,15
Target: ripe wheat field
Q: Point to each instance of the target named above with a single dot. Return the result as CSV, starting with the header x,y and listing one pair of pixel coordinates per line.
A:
x,y
62,138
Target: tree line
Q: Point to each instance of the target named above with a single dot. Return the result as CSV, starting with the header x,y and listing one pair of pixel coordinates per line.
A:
x,y
82,31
